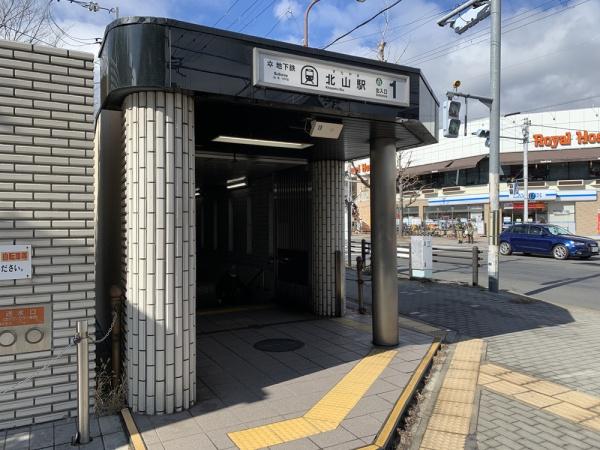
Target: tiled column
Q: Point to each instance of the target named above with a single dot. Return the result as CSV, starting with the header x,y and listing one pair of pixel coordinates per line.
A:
x,y
161,242
327,234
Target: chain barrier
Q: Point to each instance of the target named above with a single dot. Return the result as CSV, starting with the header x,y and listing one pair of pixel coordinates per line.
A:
x,y
73,341
61,353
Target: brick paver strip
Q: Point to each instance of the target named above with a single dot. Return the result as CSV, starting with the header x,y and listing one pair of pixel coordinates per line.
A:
x,y
566,403
448,426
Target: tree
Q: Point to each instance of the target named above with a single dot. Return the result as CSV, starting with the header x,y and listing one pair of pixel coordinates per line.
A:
x,y
407,185
28,21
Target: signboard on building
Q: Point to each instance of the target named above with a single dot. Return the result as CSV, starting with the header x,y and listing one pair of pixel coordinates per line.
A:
x,y
296,73
532,195
583,137
15,262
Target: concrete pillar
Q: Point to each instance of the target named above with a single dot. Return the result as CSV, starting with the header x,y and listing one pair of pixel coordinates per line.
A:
x,y
161,242
383,239
327,235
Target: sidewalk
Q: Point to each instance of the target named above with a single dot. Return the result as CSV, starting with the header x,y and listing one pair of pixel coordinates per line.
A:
x,y
106,432
331,390
521,374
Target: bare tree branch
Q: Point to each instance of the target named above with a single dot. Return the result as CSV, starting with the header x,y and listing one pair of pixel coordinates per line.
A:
x,y
27,21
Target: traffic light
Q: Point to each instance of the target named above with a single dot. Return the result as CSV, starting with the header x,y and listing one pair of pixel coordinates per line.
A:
x,y
482,133
451,121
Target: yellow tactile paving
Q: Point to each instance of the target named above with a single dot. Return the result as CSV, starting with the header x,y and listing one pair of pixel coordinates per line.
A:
x,y
327,413
255,438
452,395
506,388
579,399
464,365
570,412
551,397
546,387
484,378
449,424
493,369
536,399
594,423
453,409
460,384
517,378
439,440
462,374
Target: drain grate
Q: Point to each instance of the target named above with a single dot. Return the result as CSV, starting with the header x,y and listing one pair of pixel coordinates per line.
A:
x,y
278,345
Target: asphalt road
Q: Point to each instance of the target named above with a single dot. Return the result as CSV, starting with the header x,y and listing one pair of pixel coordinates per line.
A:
x,y
566,283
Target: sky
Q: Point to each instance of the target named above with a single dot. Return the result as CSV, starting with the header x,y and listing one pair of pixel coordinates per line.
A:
x,y
549,47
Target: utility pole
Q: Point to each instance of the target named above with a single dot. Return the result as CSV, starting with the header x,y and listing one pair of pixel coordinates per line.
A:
x,y
526,124
494,177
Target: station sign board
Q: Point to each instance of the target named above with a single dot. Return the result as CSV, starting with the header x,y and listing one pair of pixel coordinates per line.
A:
x,y
309,75
15,262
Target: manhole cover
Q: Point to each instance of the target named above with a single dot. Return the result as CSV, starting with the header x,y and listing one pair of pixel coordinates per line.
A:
x,y
278,345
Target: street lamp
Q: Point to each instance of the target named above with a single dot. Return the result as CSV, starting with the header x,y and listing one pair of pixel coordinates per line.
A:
x,y
313,3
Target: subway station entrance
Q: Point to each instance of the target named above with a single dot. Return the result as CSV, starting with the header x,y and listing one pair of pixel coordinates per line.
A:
x,y
225,155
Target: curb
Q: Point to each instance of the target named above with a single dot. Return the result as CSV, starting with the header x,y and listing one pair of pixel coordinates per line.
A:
x,y
135,440
385,436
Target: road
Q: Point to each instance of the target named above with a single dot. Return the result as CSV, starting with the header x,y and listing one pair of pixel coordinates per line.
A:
x,y
566,283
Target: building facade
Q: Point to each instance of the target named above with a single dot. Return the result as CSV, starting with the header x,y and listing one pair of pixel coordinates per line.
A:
x,y
447,181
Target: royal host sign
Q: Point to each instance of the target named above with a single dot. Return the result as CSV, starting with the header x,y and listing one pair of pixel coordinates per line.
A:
x,y
295,73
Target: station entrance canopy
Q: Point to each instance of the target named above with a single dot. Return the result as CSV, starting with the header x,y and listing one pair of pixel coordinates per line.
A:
x,y
221,154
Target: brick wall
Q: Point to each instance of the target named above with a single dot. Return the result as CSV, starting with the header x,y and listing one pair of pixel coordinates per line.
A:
x,y
46,200
586,218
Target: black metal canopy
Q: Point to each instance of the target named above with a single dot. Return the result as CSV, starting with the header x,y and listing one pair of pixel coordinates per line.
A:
x,y
217,67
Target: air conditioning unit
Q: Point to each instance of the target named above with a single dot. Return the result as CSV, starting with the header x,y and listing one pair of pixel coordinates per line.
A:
x,y
452,189
569,183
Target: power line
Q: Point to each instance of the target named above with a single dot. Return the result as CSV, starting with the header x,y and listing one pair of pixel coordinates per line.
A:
x,y
362,24
289,11
94,6
479,35
439,53
226,12
561,104
257,15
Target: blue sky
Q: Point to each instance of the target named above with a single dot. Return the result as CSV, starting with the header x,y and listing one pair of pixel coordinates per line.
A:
x,y
549,46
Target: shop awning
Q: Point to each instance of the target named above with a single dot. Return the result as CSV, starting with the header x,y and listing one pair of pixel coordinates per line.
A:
x,y
538,156
446,166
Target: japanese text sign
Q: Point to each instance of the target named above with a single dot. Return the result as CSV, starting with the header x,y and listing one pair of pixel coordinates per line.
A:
x,y
15,262
295,73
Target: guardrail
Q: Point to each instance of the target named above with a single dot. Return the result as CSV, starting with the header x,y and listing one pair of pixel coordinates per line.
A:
x,y
441,254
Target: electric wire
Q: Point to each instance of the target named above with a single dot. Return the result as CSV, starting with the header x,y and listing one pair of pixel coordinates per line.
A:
x,y
226,13
370,19
278,22
255,18
421,59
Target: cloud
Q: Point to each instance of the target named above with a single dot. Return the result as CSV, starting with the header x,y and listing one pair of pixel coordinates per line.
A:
x,y
283,8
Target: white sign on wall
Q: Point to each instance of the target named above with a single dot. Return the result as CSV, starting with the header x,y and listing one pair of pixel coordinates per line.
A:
x,y
295,73
15,262
532,195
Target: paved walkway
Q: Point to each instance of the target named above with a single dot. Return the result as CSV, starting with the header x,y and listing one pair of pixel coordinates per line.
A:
x,y
537,373
107,434
334,392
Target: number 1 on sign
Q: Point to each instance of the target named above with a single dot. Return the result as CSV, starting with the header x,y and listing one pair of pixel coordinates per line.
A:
x,y
393,85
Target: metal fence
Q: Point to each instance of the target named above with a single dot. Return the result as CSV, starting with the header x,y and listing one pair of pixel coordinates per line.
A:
x,y
460,256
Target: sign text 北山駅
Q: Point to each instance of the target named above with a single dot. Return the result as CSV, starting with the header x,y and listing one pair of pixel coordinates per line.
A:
x,y
583,137
15,262
296,73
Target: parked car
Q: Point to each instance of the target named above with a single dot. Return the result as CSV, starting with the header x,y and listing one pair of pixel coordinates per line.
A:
x,y
544,239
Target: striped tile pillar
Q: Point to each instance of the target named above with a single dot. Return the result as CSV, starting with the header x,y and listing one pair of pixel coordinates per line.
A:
x,y
161,242
327,234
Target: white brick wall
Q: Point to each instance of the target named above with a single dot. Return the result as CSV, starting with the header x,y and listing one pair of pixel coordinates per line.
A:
x,y
327,232
161,249
46,200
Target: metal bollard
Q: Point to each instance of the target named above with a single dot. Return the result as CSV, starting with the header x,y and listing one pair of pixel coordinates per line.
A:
x,y
475,264
359,281
83,398
363,250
